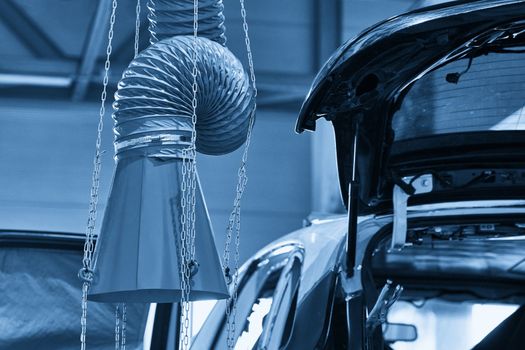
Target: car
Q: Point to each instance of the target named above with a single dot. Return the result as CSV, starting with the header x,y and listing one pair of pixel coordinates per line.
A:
x,y
427,109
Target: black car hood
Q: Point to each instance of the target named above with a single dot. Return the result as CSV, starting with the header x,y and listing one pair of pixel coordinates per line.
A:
x,y
364,82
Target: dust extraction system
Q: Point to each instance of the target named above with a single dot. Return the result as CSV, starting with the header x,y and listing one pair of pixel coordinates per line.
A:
x,y
153,124
186,92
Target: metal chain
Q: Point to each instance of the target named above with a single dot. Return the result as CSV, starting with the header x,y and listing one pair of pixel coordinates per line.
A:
x,y
188,199
120,326
183,236
83,317
124,327
235,215
117,327
137,28
122,344
86,272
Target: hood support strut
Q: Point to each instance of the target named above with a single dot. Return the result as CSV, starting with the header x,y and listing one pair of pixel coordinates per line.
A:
x,y
353,203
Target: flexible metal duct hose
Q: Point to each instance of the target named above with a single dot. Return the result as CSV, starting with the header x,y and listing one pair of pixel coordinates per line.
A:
x,y
169,18
153,103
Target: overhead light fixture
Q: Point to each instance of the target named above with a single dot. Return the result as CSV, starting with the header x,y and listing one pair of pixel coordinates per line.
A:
x,y
35,80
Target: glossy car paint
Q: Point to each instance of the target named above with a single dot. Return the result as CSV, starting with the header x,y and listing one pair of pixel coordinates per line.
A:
x,y
323,242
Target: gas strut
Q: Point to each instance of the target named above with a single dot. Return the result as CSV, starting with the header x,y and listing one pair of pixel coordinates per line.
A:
x,y
353,196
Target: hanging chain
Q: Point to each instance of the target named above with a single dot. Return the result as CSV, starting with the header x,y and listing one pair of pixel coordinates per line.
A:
x,y
121,345
188,199
117,327
124,327
120,326
83,317
137,28
235,216
86,272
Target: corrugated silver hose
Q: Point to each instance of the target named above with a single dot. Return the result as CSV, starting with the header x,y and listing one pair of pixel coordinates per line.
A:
x,y
153,102
175,17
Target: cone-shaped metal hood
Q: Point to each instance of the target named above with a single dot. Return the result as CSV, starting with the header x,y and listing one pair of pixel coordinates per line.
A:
x,y
138,252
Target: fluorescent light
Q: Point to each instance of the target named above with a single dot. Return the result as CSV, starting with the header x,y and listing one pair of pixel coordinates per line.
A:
x,y
35,80
148,331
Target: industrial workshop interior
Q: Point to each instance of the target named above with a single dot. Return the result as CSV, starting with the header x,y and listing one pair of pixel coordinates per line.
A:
x,y
262,174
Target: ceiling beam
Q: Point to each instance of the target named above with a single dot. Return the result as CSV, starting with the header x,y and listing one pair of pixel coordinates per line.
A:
x,y
274,81
92,49
33,37
275,89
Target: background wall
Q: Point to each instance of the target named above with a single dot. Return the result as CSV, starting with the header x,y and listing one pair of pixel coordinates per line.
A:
x,y
51,63
46,158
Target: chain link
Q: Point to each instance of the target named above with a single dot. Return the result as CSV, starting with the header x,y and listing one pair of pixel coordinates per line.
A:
x,y
120,326
137,28
124,327
188,199
83,318
86,273
117,327
234,221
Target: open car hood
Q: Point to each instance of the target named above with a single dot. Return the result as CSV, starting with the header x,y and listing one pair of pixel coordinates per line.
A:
x,y
364,83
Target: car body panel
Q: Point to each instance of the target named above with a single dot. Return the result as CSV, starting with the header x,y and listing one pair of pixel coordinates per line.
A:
x,y
365,81
323,242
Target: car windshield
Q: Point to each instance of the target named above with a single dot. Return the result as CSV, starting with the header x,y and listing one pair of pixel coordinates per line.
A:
x,y
486,94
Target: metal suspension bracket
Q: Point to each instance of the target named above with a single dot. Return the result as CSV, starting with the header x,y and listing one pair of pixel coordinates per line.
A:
x,y
416,185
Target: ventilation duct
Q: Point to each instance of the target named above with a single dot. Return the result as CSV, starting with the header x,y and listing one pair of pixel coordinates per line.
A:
x,y
138,253
169,18
153,104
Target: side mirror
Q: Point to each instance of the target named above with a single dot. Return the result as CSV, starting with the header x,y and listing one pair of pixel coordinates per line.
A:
x,y
393,332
